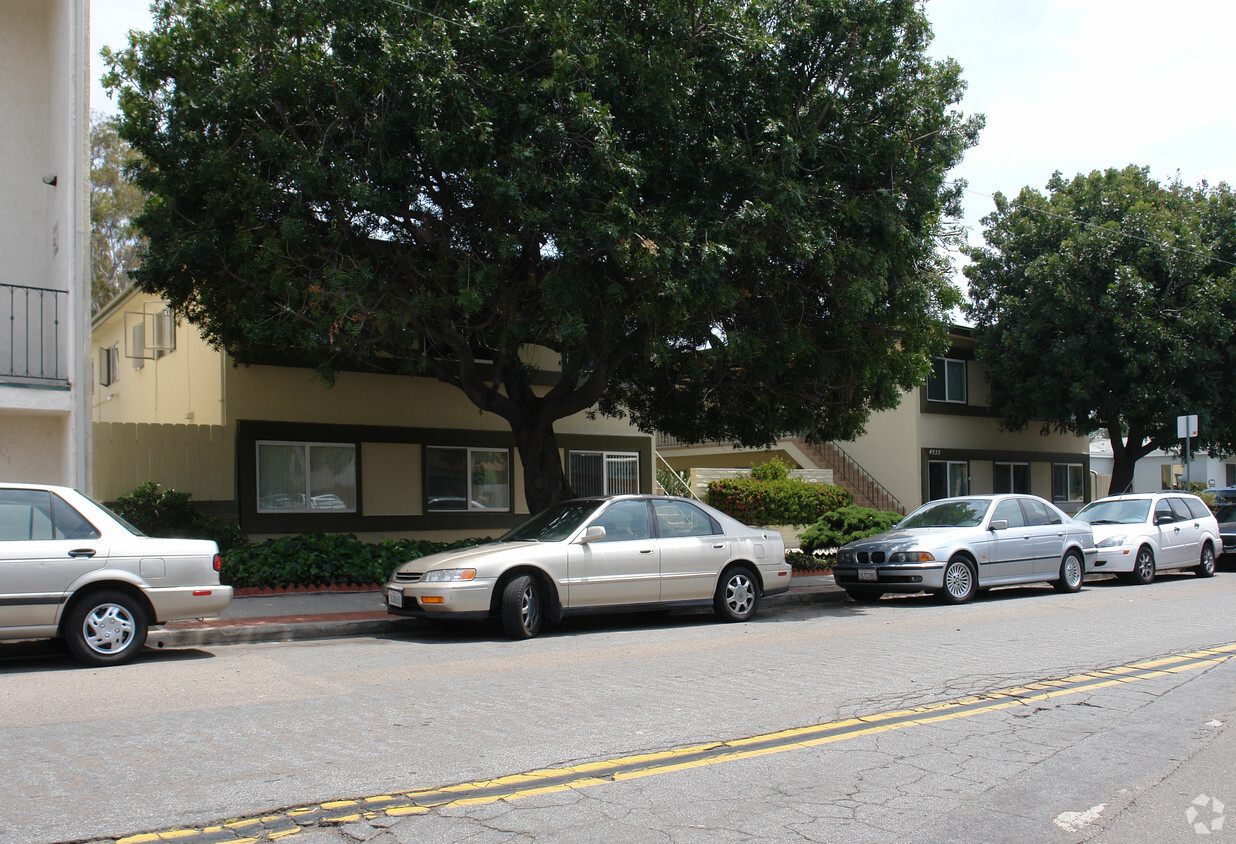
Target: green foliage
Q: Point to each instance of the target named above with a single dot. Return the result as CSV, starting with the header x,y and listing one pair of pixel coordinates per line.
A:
x,y
316,559
722,218
115,242
169,513
780,502
846,524
672,483
775,469
1110,303
819,560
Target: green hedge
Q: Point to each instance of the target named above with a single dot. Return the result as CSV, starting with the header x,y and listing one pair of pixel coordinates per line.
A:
x,y
169,513
846,524
787,501
318,559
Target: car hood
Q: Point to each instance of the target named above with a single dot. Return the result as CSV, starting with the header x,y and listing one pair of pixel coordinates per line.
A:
x,y
475,556
1102,532
898,540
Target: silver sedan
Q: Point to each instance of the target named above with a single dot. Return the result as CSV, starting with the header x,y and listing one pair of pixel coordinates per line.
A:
x,y
628,553
956,546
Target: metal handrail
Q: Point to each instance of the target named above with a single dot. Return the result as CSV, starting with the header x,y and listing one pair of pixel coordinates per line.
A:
x,y
31,317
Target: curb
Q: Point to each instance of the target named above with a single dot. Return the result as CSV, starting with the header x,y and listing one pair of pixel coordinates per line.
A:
x,y
338,625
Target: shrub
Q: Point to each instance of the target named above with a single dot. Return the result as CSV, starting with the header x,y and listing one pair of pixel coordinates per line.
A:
x,y
318,559
788,501
672,483
169,513
775,469
846,524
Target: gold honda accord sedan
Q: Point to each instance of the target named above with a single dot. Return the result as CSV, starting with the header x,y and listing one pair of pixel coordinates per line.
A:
x,y
621,553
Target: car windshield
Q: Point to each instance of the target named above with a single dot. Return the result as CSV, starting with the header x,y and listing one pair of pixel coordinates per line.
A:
x,y
554,524
1130,511
965,512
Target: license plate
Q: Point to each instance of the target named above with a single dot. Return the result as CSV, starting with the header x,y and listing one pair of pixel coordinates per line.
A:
x,y
394,597
868,573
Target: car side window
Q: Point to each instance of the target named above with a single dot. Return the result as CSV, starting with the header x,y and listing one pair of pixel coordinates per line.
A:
x,y
25,515
678,518
1181,510
70,524
624,521
1197,507
1163,512
1010,511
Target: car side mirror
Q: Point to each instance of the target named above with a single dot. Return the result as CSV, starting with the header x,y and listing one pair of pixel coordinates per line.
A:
x,y
1164,518
998,524
592,534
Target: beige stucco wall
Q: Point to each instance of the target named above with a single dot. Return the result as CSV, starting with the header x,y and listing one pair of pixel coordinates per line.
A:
x,y
889,450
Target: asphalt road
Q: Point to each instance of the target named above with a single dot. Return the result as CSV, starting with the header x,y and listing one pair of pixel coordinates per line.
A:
x,y
1026,715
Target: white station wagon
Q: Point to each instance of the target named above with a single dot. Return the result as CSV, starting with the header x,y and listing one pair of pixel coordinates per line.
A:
x,y
71,568
1141,534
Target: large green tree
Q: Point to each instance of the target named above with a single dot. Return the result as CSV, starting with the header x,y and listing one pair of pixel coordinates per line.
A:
x,y
721,217
1108,305
115,202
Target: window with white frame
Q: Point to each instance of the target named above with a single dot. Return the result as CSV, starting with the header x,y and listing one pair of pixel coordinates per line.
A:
x,y
1068,482
947,478
306,477
947,381
1012,477
464,479
603,472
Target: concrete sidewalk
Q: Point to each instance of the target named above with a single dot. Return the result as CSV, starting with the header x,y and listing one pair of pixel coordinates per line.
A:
x,y
323,615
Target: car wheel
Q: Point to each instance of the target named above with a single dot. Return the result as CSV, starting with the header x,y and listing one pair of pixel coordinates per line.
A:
x,y
864,596
1071,571
521,607
738,595
1207,567
1143,567
106,628
960,581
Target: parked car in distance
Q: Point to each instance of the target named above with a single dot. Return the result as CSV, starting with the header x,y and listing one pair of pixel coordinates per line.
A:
x,y
957,546
619,553
72,569
1141,534
1224,495
1225,515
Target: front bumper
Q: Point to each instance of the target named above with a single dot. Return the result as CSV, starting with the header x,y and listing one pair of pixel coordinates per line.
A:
x,y
896,577
463,600
1116,558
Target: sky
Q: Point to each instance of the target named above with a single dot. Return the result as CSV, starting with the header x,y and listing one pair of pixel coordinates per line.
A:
x,y
1068,85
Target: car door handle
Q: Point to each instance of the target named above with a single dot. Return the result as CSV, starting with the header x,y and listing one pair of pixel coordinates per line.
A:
x,y
718,545
646,551
82,552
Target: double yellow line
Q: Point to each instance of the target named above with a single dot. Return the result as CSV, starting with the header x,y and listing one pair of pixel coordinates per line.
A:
x,y
552,780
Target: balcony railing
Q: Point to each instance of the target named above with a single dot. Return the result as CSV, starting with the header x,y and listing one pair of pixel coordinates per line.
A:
x,y
31,340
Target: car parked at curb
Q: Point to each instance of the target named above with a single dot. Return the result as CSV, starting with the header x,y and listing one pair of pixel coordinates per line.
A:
x,y
620,553
72,569
954,547
1141,534
1225,515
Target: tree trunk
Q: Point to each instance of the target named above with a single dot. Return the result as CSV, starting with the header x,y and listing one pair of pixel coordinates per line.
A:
x,y
1122,475
545,482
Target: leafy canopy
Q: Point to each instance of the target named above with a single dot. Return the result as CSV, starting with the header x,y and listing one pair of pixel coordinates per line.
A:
x,y
719,218
115,242
1109,304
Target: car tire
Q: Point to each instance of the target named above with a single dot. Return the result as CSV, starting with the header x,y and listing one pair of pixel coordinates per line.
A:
x,y
864,596
1072,571
523,607
1207,566
737,596
960,581
105,628
1143,568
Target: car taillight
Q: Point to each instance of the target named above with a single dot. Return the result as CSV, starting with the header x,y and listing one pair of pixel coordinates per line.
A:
x,y
218,562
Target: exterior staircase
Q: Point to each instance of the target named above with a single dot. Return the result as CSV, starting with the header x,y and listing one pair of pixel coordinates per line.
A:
x,y
847,474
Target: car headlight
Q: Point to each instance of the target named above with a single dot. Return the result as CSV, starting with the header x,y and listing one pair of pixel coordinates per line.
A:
x,y
441,575
844,556
1110,542
910,557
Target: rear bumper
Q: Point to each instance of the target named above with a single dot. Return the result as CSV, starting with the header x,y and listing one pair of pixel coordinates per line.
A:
x,y
178,603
